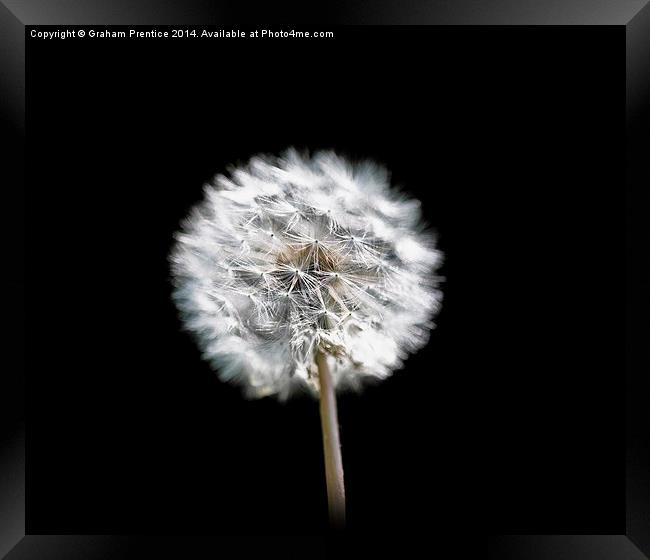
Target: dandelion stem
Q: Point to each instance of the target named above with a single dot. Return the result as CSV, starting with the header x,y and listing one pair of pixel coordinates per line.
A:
x,y
331,445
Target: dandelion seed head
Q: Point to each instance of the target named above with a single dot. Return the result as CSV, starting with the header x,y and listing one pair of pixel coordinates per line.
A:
x,y
292,255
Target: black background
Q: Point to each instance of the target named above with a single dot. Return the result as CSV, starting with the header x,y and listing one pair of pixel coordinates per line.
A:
x,y
511,419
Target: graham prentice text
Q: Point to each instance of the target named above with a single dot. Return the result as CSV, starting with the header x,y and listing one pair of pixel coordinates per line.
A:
x,y
181,33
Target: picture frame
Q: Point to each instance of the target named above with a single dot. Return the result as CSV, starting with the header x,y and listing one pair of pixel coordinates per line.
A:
x,y
15,20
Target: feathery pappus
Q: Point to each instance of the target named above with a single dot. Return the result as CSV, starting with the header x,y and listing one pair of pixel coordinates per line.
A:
x,y
295,254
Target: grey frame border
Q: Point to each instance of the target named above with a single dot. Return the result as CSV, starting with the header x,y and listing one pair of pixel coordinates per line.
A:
x,y
633,14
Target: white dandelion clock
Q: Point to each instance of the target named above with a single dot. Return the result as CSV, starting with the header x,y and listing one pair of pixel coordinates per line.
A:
x,y
301,272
